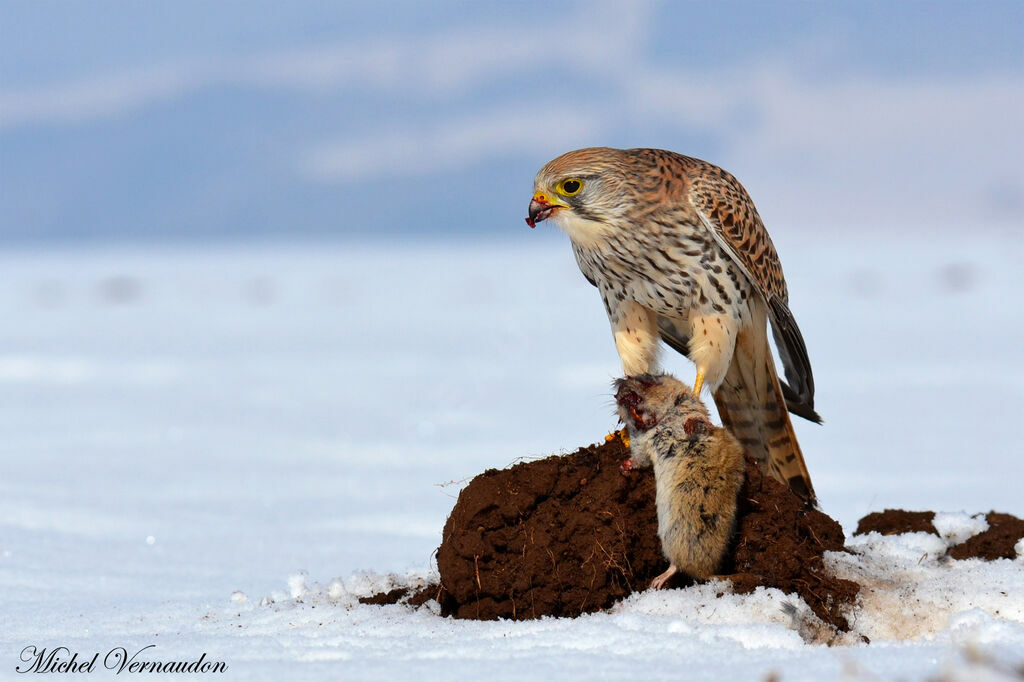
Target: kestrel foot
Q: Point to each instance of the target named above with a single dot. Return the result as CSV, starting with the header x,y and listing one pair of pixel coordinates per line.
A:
x,y
698,383
660,581
622,434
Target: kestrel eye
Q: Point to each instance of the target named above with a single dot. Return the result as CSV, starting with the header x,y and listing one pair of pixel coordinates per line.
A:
x,y
570,187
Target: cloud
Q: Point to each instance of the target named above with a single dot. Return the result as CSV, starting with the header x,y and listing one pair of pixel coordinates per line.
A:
x,y
452,144
98,97
433,66
888,150
878,147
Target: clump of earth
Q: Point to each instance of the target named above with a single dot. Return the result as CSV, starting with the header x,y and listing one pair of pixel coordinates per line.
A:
x,y
570,534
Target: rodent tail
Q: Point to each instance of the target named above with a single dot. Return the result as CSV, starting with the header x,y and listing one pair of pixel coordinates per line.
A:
x,y
753,408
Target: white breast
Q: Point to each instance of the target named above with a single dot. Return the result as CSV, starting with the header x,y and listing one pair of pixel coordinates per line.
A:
x,y
586,234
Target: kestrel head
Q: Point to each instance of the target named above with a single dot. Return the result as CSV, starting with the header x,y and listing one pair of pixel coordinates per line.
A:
x,y
582,191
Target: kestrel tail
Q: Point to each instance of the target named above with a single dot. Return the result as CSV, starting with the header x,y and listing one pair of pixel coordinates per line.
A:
x,y
679,254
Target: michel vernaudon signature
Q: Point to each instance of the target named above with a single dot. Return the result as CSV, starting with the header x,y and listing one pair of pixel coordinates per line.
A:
x,y
62,660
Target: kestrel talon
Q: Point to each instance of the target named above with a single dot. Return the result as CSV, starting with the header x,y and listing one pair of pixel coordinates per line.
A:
x,y
679,254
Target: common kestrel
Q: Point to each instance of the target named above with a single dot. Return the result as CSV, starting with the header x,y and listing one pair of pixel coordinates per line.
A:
x,y
679,253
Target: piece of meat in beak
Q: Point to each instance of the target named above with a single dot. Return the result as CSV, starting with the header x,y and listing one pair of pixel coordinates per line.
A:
x,y
540,209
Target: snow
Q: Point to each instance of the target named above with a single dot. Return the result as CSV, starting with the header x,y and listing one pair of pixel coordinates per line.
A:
x,y
219,450
954,528
911,590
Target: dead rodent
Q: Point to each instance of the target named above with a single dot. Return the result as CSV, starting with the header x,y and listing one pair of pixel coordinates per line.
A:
x,y
698,469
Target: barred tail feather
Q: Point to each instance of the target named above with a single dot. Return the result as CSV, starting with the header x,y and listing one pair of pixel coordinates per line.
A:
x,y
752,407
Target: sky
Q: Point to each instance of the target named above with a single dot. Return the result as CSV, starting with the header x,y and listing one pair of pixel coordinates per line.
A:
x,y
185,121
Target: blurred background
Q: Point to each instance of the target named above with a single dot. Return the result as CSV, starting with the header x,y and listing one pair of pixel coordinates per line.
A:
x,y
238,120
269,299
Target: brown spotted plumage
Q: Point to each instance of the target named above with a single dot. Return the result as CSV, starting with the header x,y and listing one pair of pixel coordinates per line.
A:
x,y
679,254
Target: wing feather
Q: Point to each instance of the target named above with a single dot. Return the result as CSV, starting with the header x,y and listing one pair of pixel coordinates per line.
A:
x,y
726,210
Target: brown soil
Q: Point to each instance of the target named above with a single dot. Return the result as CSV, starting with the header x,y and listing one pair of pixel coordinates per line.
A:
x,y
998,542
571,534
390,597
1004,531
781,543
568,535
896,521
406,595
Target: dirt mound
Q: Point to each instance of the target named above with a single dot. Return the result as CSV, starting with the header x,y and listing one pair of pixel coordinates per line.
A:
x,y
897,521
559,536
570,534
998,542
780,543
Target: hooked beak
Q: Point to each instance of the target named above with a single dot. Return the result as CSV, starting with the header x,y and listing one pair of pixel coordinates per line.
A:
x,y
541,207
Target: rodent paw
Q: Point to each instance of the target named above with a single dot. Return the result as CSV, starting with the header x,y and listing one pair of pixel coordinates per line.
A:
x,y
626,467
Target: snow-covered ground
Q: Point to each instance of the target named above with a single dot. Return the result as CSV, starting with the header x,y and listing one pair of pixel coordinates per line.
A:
x,y
207,450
